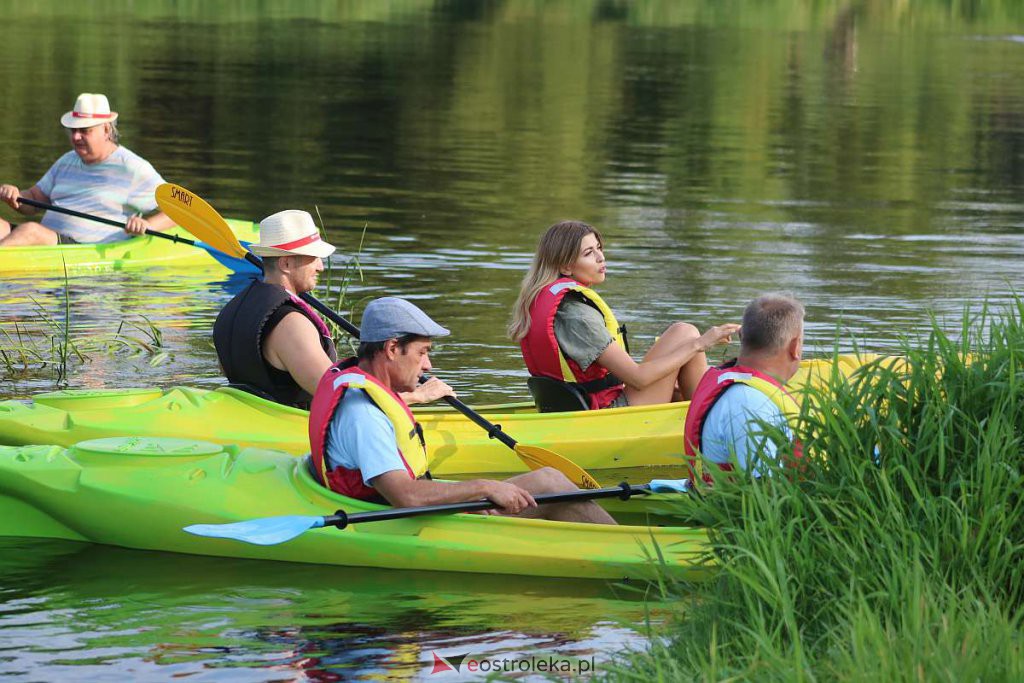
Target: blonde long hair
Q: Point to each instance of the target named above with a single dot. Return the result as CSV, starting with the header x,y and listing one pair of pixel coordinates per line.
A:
x,y
557,250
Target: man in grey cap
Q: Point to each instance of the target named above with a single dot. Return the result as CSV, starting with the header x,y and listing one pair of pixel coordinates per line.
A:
x,y
365,442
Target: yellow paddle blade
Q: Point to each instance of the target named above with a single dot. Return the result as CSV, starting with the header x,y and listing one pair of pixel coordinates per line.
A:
x,y
191,212
536,458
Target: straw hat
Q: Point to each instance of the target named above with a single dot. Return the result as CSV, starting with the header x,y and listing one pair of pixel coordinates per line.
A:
x,y
91,109
290,232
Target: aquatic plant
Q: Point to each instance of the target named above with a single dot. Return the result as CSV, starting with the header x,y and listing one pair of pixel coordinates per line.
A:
x,y
25,349
897,551
346,274
50,345
149,341
46,343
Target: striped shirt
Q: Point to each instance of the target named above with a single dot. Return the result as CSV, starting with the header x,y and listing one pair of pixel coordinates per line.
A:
x,y
118,187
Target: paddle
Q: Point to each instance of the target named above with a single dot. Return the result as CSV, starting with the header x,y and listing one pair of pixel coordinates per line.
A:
x,y
202,220
235,264
534,456
274,530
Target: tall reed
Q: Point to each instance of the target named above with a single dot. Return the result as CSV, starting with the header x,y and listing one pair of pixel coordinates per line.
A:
x,y
352,269
896,552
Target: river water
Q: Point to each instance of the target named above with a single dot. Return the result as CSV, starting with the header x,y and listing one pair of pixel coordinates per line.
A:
x,y
867,156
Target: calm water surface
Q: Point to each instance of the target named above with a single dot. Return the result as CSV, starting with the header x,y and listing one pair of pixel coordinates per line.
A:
x,y
79,611
869,158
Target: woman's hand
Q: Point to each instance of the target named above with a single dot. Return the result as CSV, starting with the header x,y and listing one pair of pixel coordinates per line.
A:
x,y
719,334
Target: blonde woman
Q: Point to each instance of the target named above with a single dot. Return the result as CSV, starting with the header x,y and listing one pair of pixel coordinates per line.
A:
x,y
568,333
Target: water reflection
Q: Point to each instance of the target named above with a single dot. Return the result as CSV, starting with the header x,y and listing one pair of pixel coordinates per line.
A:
x,y
86,611
723,153
865,155
153,327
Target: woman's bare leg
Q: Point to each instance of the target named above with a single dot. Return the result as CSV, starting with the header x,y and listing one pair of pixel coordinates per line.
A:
x,y
674,387
690,374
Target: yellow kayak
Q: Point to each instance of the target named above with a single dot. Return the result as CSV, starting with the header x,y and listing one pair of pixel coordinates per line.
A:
x,y
141,493
136,253
595,440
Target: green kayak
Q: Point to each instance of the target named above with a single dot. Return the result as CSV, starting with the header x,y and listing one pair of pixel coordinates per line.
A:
x,y
612,439
141,492
135,253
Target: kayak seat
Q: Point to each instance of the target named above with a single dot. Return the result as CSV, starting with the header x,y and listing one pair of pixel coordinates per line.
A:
x,y
552,396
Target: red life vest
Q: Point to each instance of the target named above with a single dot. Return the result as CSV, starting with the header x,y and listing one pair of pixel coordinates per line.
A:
x,y
543,356
710,388
408,433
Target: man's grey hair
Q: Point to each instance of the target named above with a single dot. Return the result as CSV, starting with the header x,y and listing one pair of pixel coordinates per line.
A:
x,y
770,322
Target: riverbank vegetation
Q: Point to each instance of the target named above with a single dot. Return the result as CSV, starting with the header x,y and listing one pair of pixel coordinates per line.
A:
x,y
49,344
899,555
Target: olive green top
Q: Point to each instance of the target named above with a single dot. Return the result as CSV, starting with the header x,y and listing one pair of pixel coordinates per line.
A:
x,y
580,330
581,334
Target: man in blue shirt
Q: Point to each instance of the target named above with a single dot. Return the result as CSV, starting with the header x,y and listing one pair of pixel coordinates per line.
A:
x,y
365,442
738,407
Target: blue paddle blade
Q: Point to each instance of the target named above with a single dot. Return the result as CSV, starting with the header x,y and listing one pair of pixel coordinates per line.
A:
x,y
265,531
233,263
670,485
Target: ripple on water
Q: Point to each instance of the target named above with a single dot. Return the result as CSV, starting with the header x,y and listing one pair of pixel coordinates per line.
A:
x,y
82,611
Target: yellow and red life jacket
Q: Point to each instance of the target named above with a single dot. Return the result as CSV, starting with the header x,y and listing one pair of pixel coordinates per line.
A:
x,y
710,388
543,356
326,401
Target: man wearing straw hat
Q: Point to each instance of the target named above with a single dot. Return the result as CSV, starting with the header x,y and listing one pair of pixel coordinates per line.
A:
x,y
269,341
98,176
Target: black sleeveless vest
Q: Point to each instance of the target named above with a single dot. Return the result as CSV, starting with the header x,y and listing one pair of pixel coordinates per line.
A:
x,y
238,335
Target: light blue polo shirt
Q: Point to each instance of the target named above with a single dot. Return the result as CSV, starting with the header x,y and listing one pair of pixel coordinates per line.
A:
x,y
733,427
122,185
361,437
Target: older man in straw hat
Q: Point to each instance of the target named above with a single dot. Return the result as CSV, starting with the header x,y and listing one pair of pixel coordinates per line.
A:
x,y
269,341
365,443
98,176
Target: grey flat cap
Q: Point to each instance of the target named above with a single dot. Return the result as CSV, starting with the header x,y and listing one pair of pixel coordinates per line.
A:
x,y
390,317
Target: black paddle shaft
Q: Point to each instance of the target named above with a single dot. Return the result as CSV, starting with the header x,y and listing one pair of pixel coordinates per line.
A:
x,y
249,256
329,313
100,219
493,431
341,519
313,301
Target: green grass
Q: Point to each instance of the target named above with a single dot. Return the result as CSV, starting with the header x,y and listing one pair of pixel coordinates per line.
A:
x,y
898,551
351,270
46,345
